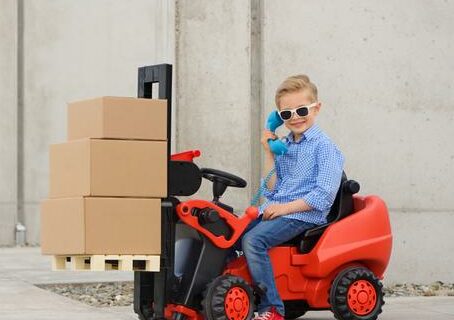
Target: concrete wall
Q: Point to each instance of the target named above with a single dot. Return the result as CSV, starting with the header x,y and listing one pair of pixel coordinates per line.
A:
x,y
76,50
384,73
8,120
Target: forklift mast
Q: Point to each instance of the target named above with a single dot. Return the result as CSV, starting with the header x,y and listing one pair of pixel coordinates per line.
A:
x,y
184,179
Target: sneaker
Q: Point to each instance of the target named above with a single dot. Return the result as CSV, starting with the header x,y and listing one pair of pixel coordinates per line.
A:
x,y
272,314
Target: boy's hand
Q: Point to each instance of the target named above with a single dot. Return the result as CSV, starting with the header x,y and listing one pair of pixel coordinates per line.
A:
x,y
266,135
274,210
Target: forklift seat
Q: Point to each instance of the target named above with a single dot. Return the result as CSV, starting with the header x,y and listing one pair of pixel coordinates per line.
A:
x,y
341,208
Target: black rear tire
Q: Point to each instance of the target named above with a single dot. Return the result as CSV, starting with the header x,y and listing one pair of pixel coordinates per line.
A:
x,y
356,294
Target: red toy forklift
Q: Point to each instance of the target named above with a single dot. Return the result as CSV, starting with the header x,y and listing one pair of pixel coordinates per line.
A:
x,y
336,266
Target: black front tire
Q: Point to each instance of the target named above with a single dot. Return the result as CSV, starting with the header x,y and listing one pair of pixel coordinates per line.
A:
x,y
223,295
356,294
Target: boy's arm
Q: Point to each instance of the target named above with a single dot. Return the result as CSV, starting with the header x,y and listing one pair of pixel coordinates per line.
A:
x,y
282,209
330,165
268,166
269,158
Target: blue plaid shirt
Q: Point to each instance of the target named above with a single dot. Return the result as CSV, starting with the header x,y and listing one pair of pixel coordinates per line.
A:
x,y
311,170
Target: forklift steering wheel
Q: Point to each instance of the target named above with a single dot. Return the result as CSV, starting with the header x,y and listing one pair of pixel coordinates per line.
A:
x,y
230,180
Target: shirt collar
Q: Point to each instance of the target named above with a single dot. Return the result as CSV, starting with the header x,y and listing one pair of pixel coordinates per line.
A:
x,y
309,134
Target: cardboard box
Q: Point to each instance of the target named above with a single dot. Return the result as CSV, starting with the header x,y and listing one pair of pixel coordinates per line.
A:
x,y
101,226
112,168
118,118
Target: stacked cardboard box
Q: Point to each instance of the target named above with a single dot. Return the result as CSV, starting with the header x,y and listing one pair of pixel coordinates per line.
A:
x,y
107,181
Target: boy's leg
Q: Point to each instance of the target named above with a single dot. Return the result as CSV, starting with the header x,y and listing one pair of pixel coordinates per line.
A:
x,y
257,242
237,246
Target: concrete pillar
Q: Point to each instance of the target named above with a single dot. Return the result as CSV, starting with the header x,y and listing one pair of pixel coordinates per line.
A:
x,y
8,120
384,74
214,90
78,50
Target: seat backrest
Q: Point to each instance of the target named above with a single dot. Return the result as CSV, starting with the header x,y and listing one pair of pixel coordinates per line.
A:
x,y
342,207
343,204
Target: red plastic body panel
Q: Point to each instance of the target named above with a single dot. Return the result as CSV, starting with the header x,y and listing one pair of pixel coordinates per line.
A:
x,y
363,236
190,314
361,239
236,224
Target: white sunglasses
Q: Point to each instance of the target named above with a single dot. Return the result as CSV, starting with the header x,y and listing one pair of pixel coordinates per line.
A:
x,y
301,111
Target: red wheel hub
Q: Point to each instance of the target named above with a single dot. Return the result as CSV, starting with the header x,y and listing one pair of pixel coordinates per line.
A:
x,y
236,304
362,297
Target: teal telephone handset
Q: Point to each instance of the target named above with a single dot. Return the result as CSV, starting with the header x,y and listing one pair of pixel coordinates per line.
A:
x,y
276,146
272,123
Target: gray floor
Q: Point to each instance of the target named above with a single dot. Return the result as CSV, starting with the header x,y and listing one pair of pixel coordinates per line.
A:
x,y
20,268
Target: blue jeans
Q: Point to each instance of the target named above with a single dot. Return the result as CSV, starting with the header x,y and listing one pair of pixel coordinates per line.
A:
x,y
257,240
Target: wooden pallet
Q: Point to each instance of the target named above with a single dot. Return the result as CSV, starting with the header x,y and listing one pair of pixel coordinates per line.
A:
x,y
106,262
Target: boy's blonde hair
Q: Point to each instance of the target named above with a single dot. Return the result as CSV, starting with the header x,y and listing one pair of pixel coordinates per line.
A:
x,y
296,83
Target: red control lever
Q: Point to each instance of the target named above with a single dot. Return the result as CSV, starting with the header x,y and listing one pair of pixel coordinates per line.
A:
x,y
237,224
185,156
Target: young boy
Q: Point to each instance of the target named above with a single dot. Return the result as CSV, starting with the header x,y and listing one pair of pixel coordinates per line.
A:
x,y
301,192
